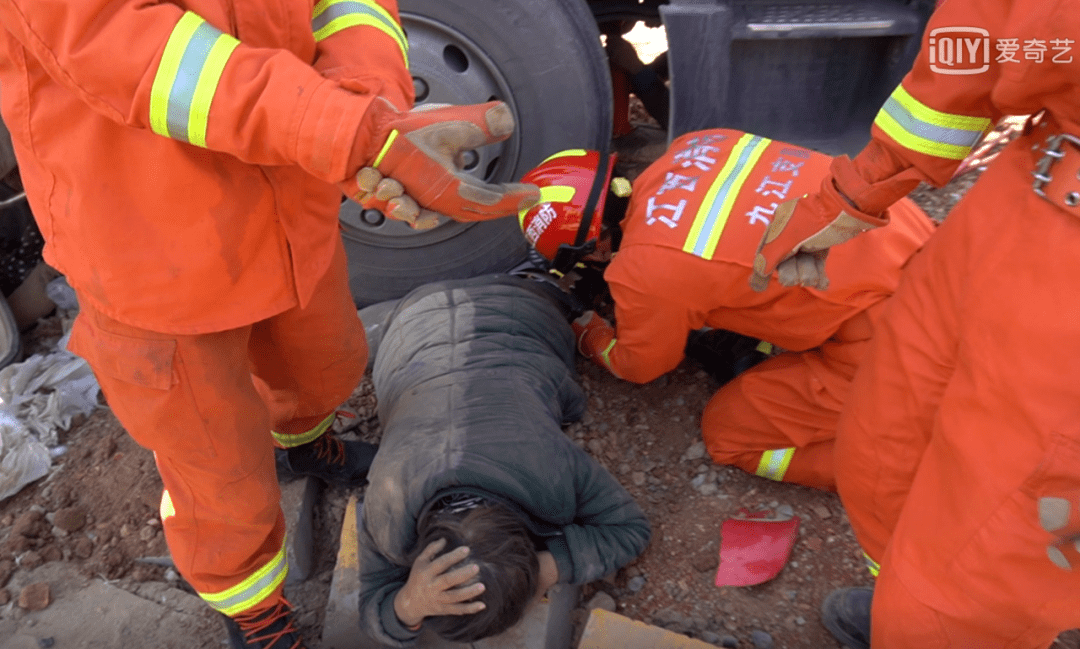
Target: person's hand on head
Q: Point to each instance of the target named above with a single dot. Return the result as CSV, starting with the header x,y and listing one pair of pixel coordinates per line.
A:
x,y
436,587
422,150
549,572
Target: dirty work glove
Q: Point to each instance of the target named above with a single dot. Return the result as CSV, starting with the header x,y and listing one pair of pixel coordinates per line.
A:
x,y
388,196
421,150
797,240
595,338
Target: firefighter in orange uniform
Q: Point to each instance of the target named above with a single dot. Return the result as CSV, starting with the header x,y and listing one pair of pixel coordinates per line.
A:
x,y
687,242
185,162
958,454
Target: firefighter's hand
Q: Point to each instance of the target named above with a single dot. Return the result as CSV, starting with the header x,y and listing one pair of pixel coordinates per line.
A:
x,y
799,269
593,334
387,195
436,587
797,240
422,150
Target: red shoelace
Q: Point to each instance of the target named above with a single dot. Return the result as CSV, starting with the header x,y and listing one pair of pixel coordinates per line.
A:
x,y
329,446
255,626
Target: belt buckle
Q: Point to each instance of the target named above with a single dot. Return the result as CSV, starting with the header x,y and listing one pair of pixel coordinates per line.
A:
x,y
1053,152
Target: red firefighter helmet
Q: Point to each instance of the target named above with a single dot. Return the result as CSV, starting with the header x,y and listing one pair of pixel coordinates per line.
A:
x,y
565,180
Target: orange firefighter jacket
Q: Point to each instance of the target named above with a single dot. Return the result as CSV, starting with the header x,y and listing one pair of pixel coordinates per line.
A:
x,y
928,125
693,223
1018,57
178,156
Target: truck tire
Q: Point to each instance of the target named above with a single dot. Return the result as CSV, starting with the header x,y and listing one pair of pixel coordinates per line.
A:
x,y
545,60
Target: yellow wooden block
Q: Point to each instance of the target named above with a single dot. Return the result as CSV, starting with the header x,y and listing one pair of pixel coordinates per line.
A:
x,y
348,552
607,630
341,626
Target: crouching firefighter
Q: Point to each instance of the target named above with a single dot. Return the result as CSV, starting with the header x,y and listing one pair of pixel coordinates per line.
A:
x,y
681,248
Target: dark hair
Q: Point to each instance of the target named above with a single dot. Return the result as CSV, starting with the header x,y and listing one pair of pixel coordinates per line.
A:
x,y
500,544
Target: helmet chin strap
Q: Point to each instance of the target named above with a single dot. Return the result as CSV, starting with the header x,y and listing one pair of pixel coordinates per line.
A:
x,y
568,256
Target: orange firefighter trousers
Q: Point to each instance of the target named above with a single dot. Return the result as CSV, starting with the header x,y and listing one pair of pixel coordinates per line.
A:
x,y
963,417
778,419
206,405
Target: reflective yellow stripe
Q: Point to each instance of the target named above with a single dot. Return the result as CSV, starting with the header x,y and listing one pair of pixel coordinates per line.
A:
x,y
167,510
713,214
167,69
332,16
291,441
206,87
564,154
774,464
764,347
920,128
606,355
873,566
187,79
252,590
385,148
550,194
557,194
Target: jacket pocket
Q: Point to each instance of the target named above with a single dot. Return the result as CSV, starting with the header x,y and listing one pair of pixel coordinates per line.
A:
x,y
140,378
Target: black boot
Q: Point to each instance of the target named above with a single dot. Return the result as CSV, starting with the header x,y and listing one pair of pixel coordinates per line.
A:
x,y
330,459
723,354
271,628
846,614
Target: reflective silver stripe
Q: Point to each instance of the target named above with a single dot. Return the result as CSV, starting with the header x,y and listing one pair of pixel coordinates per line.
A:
x,y
252,590
712,216
928,131
341,9
332,16
187,79
922,129
774,464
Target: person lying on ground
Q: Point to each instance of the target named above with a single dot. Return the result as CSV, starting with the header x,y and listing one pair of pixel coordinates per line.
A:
x,y
478,502
685,240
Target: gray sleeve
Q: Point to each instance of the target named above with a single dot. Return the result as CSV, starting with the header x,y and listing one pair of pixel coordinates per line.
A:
x,y
380,580
376,319
609,531
572,399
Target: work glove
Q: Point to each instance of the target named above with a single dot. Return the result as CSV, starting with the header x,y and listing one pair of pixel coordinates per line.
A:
x,y
387,195
594,337
797,240
421,151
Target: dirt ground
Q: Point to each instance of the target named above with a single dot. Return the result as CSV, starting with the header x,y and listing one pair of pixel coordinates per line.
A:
x,y
642,434
97,510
